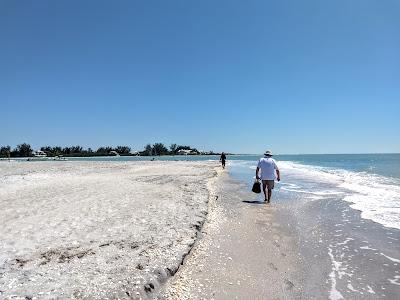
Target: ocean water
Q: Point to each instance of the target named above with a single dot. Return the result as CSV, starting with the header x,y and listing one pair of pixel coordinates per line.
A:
x,y
369,183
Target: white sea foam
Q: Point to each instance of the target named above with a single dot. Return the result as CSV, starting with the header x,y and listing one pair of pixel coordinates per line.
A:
x,y
377,201
311,172
291,185
391,258
395,280
351,288
368,248
316,193
345,241
334,294
377,197
370,290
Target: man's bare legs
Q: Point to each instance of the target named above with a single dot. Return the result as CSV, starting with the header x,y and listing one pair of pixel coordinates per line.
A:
x,y
267,192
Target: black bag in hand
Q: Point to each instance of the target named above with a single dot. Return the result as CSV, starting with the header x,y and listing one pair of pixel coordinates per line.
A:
x,y
256,187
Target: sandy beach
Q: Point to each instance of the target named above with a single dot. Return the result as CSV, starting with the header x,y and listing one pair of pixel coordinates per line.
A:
x,y
245,251
101,230
184,230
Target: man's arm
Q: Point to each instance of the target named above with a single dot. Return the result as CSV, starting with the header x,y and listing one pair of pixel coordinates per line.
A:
x,y
257,177
278,174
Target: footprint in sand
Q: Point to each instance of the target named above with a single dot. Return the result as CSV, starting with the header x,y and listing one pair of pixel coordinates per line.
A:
x,y
272,266
288,284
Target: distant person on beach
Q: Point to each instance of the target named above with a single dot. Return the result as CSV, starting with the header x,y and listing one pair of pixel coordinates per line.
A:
x,y
222,159
268,169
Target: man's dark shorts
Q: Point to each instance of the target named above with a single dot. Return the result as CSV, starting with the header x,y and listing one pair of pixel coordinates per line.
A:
x,y
269,184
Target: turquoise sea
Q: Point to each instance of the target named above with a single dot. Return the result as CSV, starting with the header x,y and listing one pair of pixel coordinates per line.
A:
x,y
369,183
379,164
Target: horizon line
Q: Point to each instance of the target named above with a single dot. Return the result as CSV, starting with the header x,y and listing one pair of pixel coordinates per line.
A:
x,y
341,153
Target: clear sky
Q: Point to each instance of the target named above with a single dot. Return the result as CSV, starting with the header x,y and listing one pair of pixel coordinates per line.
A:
x,y
237,76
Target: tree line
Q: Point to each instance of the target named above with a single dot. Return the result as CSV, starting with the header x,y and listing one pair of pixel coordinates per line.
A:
x,y
25,150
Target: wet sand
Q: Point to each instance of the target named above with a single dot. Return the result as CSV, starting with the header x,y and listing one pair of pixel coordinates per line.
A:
x,y
346,256
97,230
290,249
245,251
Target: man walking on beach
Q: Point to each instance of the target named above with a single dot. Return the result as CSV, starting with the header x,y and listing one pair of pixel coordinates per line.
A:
x,y
222,159
268,168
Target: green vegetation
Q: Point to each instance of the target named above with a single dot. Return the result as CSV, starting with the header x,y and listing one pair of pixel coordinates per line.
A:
x,y
22,150
25,150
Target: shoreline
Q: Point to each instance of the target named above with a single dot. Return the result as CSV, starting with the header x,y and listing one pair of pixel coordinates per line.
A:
x,y
244,251
292,249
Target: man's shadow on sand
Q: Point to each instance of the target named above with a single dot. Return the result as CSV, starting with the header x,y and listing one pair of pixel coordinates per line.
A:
x,y
253,202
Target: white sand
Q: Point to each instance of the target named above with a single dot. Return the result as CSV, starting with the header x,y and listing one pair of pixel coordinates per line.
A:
x,y
97,229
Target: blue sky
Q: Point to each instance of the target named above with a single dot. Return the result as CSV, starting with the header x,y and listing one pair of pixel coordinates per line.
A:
x,y
238,76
